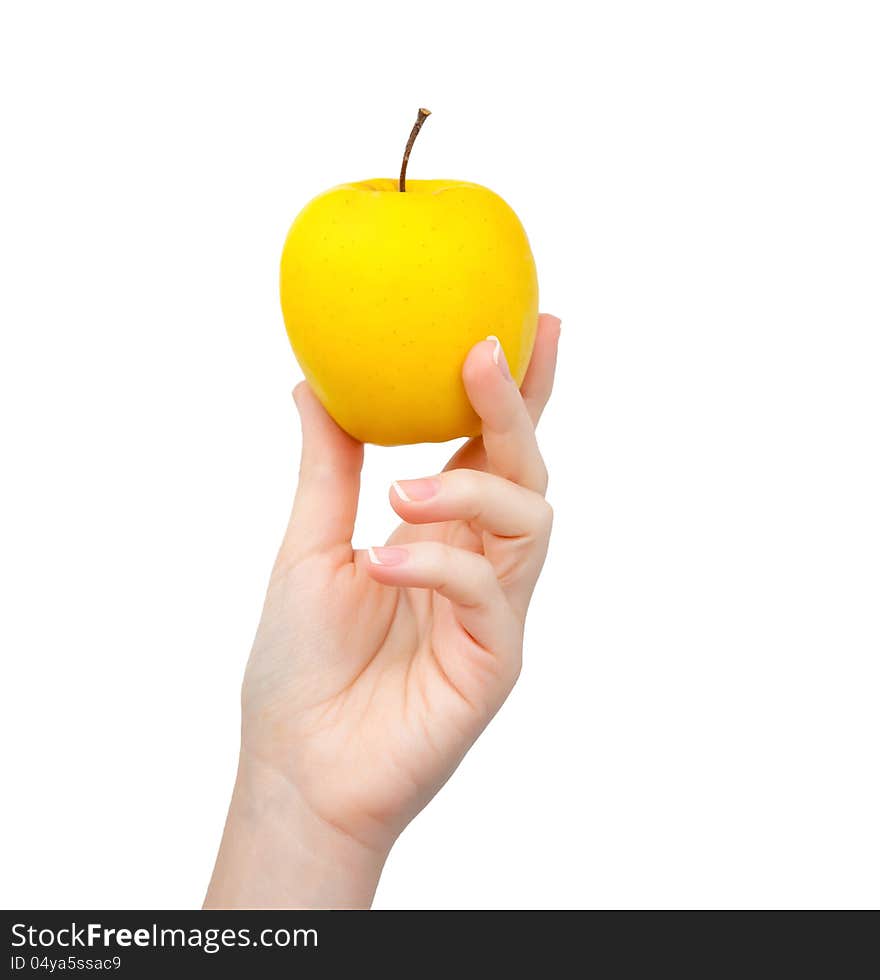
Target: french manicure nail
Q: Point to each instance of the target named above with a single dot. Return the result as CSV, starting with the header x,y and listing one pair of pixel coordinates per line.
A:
x,y
411,490
387,556
499,358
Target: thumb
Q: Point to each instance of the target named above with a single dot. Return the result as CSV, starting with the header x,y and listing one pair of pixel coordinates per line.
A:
x,y
325,505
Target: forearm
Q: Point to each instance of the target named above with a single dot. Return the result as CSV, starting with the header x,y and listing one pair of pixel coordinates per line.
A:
x,y
275,853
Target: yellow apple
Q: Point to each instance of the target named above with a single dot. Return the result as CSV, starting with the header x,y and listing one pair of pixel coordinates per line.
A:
x,y
384,291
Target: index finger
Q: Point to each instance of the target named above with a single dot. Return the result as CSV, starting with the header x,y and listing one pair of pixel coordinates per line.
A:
x,y
536,388
508,431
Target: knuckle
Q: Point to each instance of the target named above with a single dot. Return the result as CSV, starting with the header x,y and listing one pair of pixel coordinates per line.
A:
x,y
468,486
546,519
543,477
465,480
516,665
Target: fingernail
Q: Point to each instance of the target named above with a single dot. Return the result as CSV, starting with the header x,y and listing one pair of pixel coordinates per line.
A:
x,y
387,556
499,358
410,490
554,320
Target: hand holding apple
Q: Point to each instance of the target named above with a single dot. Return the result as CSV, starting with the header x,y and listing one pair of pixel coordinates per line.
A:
x,y
374,670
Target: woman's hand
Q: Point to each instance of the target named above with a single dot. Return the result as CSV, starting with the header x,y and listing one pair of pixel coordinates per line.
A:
x,y
373,672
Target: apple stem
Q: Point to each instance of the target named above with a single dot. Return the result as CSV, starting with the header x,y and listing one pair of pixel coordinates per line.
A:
x,y
422,116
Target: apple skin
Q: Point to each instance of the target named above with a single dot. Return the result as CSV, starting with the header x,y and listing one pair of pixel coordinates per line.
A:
x,y
384,293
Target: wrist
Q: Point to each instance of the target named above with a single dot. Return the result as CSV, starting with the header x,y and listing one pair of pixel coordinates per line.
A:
x,y
277,853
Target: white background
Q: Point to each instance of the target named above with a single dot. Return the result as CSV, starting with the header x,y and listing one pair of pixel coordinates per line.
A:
x,y
696,724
